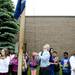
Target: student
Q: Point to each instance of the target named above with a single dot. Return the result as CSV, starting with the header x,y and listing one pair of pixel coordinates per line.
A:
x,y
11,55
4,62
44,57
65,64
14,63
72,63
24,65
56,63
51,68
33,65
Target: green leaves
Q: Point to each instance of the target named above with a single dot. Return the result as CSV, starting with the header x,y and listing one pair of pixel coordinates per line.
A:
x,y
6,5
9,27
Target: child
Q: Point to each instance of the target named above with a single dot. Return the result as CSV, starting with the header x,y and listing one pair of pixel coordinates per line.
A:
x,y
4,62
65,64
12,54
33,65
14,63
24,66
56,63
72,63
51,61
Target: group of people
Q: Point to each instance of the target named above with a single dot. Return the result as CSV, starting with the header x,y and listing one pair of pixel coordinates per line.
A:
x,y
46,60
9,63
50,63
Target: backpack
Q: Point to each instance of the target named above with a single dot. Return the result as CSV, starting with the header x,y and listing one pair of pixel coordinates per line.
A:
x,y
33,63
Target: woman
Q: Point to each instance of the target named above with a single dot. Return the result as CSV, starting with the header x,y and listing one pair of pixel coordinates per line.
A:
x,y
24,65
33,65
56,63
72,63
14,63
12,55
51,68
4,63
44,57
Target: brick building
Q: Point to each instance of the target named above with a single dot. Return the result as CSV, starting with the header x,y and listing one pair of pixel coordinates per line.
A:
x,y
59,32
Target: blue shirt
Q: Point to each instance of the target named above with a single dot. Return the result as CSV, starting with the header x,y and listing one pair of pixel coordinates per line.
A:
x,y
44,58
52,65
65,64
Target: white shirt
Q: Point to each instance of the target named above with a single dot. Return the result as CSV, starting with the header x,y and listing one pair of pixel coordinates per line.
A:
x,y
4,65
72,63
12,56
44,58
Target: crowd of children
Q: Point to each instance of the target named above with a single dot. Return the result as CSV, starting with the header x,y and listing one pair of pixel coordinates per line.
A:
x,y
9,63
47,61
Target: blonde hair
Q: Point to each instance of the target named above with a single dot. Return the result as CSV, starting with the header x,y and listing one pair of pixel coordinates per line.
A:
x,y
46,46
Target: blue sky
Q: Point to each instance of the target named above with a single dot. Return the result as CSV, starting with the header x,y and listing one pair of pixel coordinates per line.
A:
x,y
49,7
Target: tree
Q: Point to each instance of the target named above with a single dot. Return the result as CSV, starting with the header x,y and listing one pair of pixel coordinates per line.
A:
x,y
8,25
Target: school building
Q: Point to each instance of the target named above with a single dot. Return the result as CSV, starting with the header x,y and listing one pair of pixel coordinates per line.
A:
x,y
59,32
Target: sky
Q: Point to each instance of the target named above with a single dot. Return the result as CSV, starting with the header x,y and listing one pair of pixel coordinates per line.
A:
x,y
49,7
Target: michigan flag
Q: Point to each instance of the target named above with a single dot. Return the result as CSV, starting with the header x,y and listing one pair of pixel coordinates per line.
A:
x,y
19,8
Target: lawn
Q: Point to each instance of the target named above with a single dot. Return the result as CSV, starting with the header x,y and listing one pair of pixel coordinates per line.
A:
x,y
60,73
38,71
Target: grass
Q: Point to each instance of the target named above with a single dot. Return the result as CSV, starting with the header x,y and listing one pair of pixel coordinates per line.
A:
x,y
60,73
29,73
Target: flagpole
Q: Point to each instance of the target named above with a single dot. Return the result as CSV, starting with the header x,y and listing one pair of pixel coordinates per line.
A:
x,y
21,41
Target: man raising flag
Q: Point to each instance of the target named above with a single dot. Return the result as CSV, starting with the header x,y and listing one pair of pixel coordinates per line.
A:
x,y
20,13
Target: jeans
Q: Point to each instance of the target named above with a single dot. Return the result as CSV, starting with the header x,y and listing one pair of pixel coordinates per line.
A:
x,y
56,73
66,73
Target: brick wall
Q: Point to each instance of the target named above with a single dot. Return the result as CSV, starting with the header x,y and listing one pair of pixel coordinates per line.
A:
x,y
59,32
